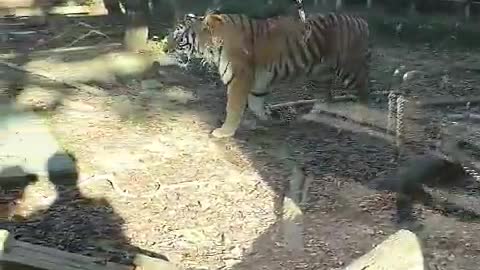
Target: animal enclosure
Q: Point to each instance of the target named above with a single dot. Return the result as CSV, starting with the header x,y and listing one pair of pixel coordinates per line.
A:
x,y
145,177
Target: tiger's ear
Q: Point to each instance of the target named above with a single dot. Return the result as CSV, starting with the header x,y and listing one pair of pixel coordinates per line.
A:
x,y
189,16
214,20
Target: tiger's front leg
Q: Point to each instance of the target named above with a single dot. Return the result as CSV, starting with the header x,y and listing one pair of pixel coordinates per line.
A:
x,y
237,95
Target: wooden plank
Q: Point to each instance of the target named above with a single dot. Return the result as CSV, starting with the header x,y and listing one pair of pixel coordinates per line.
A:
x,y
23,253
70,10
64,50
80,86
143,262
4,238
15,254
35,10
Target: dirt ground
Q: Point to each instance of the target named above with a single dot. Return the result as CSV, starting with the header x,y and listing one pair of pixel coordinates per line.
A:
x,y
150,177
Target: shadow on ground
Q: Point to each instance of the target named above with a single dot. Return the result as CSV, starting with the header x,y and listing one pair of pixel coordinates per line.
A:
x,y
72,222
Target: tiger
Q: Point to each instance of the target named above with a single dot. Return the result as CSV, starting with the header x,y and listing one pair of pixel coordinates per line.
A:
x,y
253,54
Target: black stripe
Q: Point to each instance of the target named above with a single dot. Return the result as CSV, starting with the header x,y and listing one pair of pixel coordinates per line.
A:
x,y
232,18
303,55
231,79
252,36
353,80
316,43
242,23
194,41
291,57
274,71
220,49
225,70
313,47
284,66
277,66
309,69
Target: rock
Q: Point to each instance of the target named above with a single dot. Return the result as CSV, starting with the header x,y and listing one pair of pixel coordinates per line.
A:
x,y
400,251
143,262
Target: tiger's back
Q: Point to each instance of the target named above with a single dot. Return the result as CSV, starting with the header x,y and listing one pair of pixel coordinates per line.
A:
x,y
275,49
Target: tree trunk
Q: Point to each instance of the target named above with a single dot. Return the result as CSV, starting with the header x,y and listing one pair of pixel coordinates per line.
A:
x,y
136,32
113,7
412,11
338,4
467,10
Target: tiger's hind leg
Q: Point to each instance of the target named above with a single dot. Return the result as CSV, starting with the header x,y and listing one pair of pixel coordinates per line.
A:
x,y
357,79
362,85
324,85
359,76
256,97
256,104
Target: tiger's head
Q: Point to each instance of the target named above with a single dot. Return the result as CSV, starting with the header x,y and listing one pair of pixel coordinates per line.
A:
x,y
193,36
183,37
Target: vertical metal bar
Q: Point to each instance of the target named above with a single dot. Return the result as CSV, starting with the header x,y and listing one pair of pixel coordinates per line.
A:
x,y
400,128
392,110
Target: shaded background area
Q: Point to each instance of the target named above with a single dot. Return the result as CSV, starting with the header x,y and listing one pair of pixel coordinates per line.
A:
x,y
148,177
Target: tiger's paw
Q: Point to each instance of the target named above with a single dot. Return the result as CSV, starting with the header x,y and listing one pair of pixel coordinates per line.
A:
x,y
265,117
223,133
253,124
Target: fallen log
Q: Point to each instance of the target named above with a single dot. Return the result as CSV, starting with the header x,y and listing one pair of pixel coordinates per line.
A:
x,y
301,102
348,125
355,112
400,251
463,116
15,254
446,100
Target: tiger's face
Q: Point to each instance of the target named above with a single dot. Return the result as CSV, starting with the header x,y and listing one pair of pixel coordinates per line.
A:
x,y
183,38
192,37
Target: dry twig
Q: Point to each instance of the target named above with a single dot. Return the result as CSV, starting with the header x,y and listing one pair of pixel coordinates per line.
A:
x,y
86,35
311,101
